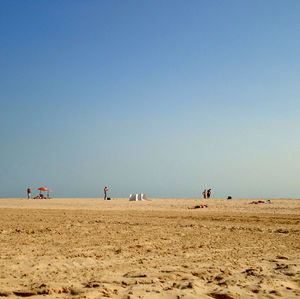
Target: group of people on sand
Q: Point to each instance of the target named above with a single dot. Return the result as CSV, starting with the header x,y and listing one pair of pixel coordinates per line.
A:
x,y
206,193
40,196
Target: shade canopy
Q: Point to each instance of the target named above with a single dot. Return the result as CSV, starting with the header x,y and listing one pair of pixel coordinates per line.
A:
x,y
43,189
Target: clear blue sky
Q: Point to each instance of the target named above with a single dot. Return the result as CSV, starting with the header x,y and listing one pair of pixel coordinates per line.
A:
x,y
161,97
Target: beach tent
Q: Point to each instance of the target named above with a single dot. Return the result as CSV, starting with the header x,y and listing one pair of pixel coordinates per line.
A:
x,y
137,196
46,190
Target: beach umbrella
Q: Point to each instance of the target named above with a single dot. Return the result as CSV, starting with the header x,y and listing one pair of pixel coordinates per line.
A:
x,y
45,189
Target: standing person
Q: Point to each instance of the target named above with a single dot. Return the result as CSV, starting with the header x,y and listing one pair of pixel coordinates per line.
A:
x,y
204,193
208,193
28,192
105,193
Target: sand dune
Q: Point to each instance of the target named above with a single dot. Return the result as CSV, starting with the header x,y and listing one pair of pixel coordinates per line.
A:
x,y
89,248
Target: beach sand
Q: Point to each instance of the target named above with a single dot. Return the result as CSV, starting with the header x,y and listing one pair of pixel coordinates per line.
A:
x,y
91,248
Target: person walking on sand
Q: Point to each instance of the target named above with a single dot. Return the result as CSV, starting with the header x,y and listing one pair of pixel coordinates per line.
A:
x,y
28,193
105,193
204,193
208,193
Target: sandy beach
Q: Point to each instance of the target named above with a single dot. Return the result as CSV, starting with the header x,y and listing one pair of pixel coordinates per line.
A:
x,y
91,248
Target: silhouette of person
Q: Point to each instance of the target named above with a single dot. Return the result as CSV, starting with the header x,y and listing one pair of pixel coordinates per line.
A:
x,y
208,193
105,193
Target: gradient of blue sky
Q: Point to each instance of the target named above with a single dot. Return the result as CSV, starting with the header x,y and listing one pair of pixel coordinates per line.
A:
x,y
162,97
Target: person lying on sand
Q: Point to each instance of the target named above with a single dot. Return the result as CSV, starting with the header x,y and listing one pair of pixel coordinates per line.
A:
x,y
41,196
260,201
198,207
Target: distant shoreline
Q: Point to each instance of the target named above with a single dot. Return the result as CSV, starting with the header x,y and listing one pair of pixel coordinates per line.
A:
x,y
218,205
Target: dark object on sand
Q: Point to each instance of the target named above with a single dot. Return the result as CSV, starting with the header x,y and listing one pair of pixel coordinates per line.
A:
x,y
229,197
108,198
199,207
